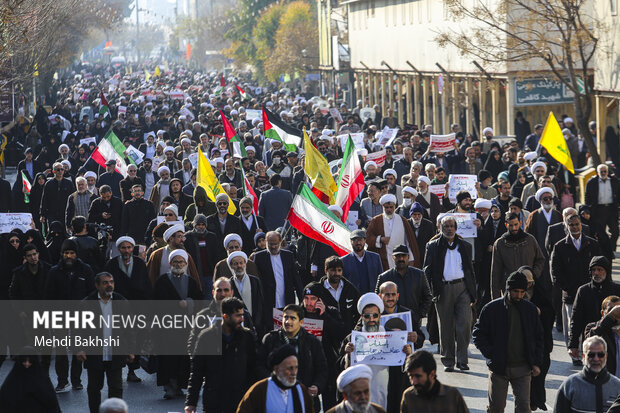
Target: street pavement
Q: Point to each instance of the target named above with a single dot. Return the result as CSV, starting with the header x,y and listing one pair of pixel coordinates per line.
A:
x,y
146,397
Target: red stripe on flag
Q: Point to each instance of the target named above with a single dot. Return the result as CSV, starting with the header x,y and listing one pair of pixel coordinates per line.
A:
x,y
302,226
322,197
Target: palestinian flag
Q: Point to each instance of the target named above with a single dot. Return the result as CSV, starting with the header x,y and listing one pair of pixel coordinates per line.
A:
x,y
220,88
237,147
351,180
111,147
248,191
312,218
27,187
104,108
242,93
276,129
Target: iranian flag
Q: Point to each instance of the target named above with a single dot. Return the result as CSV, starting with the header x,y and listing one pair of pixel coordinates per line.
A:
x,y
27,187
242,93
351,180
248,191
104,108
276,129
312,218
238,148
111,147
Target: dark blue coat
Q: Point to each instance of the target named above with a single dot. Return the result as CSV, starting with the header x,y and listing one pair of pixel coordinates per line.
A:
x,y
372,261
273,206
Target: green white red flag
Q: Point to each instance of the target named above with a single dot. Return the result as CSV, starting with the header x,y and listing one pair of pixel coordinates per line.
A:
x,y
111,147
312,218
351,180
27,187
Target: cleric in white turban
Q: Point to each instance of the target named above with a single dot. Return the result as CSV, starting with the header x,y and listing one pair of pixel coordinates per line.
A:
x,y
389,229
354,383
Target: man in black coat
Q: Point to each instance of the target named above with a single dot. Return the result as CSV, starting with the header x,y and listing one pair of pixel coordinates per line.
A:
x,y
221,224
70,279
590,296
131,278
29,279
342,293
250,224
249,289
55,194
110,365
111,178
509,335
5,195
312,371
570,260
129,181
278,273
423,228
200,243
228,376
137,213
606,328
107,210
334,331
411,282
559,231
602,196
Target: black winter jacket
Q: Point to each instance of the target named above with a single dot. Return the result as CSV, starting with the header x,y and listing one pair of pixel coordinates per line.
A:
x,y
491,333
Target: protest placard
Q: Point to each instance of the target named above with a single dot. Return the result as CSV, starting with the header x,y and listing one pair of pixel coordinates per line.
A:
x,y
378,157
311,325
122,109
161,218
387,136
87,141
380,348
465,224
188,113
405,316
13,220
251,114
193,158
438,190
335,114
442,143
462,183
134,154
358,140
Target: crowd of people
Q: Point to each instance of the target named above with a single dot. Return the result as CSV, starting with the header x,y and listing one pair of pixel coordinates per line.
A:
x,y
540,259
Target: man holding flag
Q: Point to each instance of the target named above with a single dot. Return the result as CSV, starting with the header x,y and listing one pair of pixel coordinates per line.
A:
x,y
317,169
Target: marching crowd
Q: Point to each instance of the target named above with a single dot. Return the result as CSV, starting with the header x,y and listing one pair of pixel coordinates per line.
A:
x,y
539,261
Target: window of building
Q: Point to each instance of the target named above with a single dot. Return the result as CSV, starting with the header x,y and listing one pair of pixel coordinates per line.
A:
x,y
395,12
613,5
386,11
372,8
411,12
429,10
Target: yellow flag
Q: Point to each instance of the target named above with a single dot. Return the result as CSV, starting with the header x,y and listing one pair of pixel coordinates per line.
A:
x,y
206,178
553,141
157,71
317,169
147,75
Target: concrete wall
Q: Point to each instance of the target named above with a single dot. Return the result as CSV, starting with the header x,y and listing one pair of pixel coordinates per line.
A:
x,y
607,60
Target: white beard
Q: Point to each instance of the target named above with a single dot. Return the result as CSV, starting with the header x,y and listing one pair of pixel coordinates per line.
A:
x,y
357,407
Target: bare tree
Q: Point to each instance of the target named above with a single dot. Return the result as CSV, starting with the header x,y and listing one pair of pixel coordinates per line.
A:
x,y
560,36
44,35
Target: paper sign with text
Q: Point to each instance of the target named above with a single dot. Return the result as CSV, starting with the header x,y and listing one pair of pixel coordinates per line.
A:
x,y
438,190
379,349
377,157
465,224
462,183
11,221
358,140
442,143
